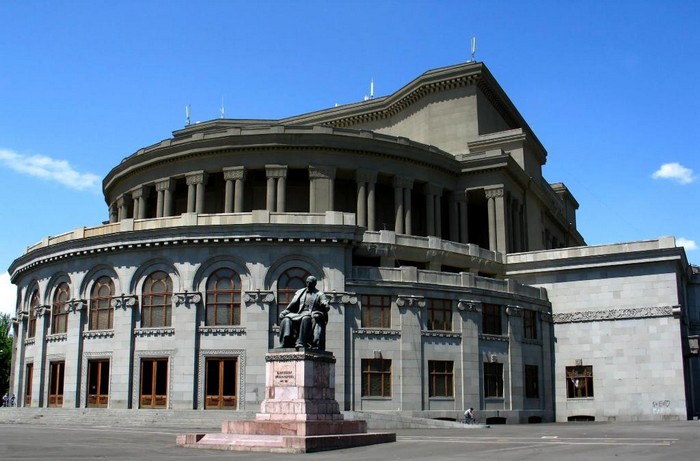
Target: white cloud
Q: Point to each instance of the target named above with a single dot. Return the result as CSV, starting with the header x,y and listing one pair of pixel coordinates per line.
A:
x,y
675,172
49,169
8,295
688,244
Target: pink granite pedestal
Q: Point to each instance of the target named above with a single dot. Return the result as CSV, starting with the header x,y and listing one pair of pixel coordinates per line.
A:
x,y
298,415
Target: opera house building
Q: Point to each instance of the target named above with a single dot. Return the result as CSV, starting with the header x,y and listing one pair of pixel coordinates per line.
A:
x,y
455,272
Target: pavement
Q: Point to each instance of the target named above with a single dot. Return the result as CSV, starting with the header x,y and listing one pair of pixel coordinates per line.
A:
x,y
666,441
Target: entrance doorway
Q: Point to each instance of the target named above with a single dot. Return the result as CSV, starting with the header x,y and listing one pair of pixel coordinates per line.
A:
x,y
56,370
28,376
154,383
98,384
221,383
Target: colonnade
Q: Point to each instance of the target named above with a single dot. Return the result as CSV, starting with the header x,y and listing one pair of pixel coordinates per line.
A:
x,y
505,213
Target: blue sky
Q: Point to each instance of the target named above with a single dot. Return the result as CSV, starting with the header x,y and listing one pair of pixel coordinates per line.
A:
x,y
610,89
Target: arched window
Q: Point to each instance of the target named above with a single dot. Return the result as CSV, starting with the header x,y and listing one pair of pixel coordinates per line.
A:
x,y
156,305
101,311
33,304
289,282
59,315
223,298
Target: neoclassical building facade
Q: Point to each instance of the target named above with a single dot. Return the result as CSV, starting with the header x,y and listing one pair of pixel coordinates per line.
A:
x,y
449,261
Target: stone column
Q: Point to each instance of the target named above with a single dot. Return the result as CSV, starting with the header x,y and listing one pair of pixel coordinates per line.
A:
x,y
139,197
191,181
411,311
122,207
321,180
454,217
371,212
438,213
497,237
43,322
430,190
74,344
361,204
366,215
18,384
398,206
408,228
470,312
281,194
515,362
234,177
164,201
275,202
200,194
184,315
463,200
113,213
121,365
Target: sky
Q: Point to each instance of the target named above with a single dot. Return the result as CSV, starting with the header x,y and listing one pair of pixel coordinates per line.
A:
x,y
609,88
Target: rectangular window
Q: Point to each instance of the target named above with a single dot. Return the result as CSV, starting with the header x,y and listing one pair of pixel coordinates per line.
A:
x,y
441,376
376,378
491,319
532,389
579,382
529,324
440,314
493,380
376,311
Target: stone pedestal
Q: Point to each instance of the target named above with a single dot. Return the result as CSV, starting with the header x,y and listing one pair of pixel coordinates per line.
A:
x,y
298,415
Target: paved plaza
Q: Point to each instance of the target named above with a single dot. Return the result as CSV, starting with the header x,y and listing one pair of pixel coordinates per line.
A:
x,y
564,441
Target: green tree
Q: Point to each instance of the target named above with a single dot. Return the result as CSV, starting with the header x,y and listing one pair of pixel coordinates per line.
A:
x,y
5,352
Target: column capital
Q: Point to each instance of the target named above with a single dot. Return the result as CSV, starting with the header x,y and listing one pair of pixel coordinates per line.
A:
x,y
124,301
196,177
469,305
276,171
410,301
39,311
321,172
493,192
138,192
400,181
258,297
514,311
76,305
187,299
120,200
165,184
366,176
234,172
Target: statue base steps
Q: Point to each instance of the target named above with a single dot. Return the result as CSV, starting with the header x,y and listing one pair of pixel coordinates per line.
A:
x,y
298,415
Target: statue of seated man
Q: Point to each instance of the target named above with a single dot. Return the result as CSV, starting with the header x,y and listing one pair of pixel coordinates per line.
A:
x,y
303,322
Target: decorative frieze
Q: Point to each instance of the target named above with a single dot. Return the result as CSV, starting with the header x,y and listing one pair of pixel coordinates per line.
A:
x,y
440,334
56,338
614,314
499,338
222,330
375,332
98,334
162,331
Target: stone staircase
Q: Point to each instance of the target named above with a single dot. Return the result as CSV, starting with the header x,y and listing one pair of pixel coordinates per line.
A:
x,y
194,420
190,419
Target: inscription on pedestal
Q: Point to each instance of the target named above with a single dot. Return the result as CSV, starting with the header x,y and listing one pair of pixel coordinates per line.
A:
x,y
284,374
